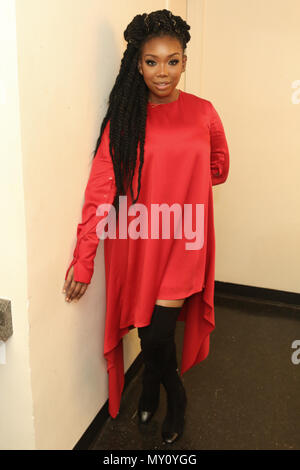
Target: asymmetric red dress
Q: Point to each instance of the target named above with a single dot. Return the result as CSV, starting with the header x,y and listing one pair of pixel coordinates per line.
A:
x,y
185,153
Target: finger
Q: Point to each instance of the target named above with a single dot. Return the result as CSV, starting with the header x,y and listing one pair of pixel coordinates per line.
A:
x,y
66,286
76,291
81,292
70,290
68,280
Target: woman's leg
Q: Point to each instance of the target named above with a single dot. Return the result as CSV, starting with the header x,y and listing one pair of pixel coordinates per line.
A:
x,y
159,352
154,337
173,423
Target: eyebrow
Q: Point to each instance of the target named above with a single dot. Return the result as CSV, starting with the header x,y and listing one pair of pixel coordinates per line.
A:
x,y
152,55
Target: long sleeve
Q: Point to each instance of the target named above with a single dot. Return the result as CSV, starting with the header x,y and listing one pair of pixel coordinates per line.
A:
x,y
100,189
219,158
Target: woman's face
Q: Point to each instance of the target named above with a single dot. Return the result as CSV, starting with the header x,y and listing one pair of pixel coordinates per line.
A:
x,y
162,61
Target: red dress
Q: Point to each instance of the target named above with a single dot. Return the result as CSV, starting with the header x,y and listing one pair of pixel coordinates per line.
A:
x,y
185,154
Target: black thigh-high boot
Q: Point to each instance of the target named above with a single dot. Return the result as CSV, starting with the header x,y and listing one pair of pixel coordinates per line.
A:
x,y
154,339
163,329
173,424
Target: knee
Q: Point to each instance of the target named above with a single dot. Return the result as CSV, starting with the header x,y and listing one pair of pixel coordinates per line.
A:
x,y
161,328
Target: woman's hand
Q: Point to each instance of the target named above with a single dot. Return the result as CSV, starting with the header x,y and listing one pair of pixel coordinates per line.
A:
x,y
73,289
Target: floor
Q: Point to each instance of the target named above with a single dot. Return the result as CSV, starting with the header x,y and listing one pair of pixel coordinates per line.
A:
x,y
244,395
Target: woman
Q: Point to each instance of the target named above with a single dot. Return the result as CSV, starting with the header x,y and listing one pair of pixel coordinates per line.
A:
x,y
168,147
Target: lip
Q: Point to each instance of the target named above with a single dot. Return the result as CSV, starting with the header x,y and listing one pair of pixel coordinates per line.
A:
x,y
162,87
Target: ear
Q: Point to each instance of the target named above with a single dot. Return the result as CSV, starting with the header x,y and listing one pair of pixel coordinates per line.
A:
x,y
139,67
184,59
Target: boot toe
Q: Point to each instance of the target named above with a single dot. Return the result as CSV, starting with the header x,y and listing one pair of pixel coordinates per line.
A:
x,y
169,438
145,416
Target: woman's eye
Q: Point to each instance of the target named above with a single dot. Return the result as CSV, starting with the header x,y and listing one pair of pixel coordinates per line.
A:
x,y
152,61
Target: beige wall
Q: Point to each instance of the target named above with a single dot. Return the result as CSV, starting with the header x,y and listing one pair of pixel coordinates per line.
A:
x,y
61,60
246,61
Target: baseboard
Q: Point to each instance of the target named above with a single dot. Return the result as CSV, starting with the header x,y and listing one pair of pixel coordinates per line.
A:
x,y
271,301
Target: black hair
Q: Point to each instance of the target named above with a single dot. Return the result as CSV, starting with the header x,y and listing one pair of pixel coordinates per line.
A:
x,y
127,105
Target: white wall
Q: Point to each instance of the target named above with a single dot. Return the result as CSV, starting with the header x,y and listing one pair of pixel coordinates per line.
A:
x,y
16,405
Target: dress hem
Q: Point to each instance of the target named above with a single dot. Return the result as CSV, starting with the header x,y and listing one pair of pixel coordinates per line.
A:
x,y
181,295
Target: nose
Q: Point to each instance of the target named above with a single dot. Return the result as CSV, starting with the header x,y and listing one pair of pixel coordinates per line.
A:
x,y
162,71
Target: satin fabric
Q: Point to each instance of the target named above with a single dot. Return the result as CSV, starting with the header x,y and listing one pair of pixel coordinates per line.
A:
x,y
185,154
